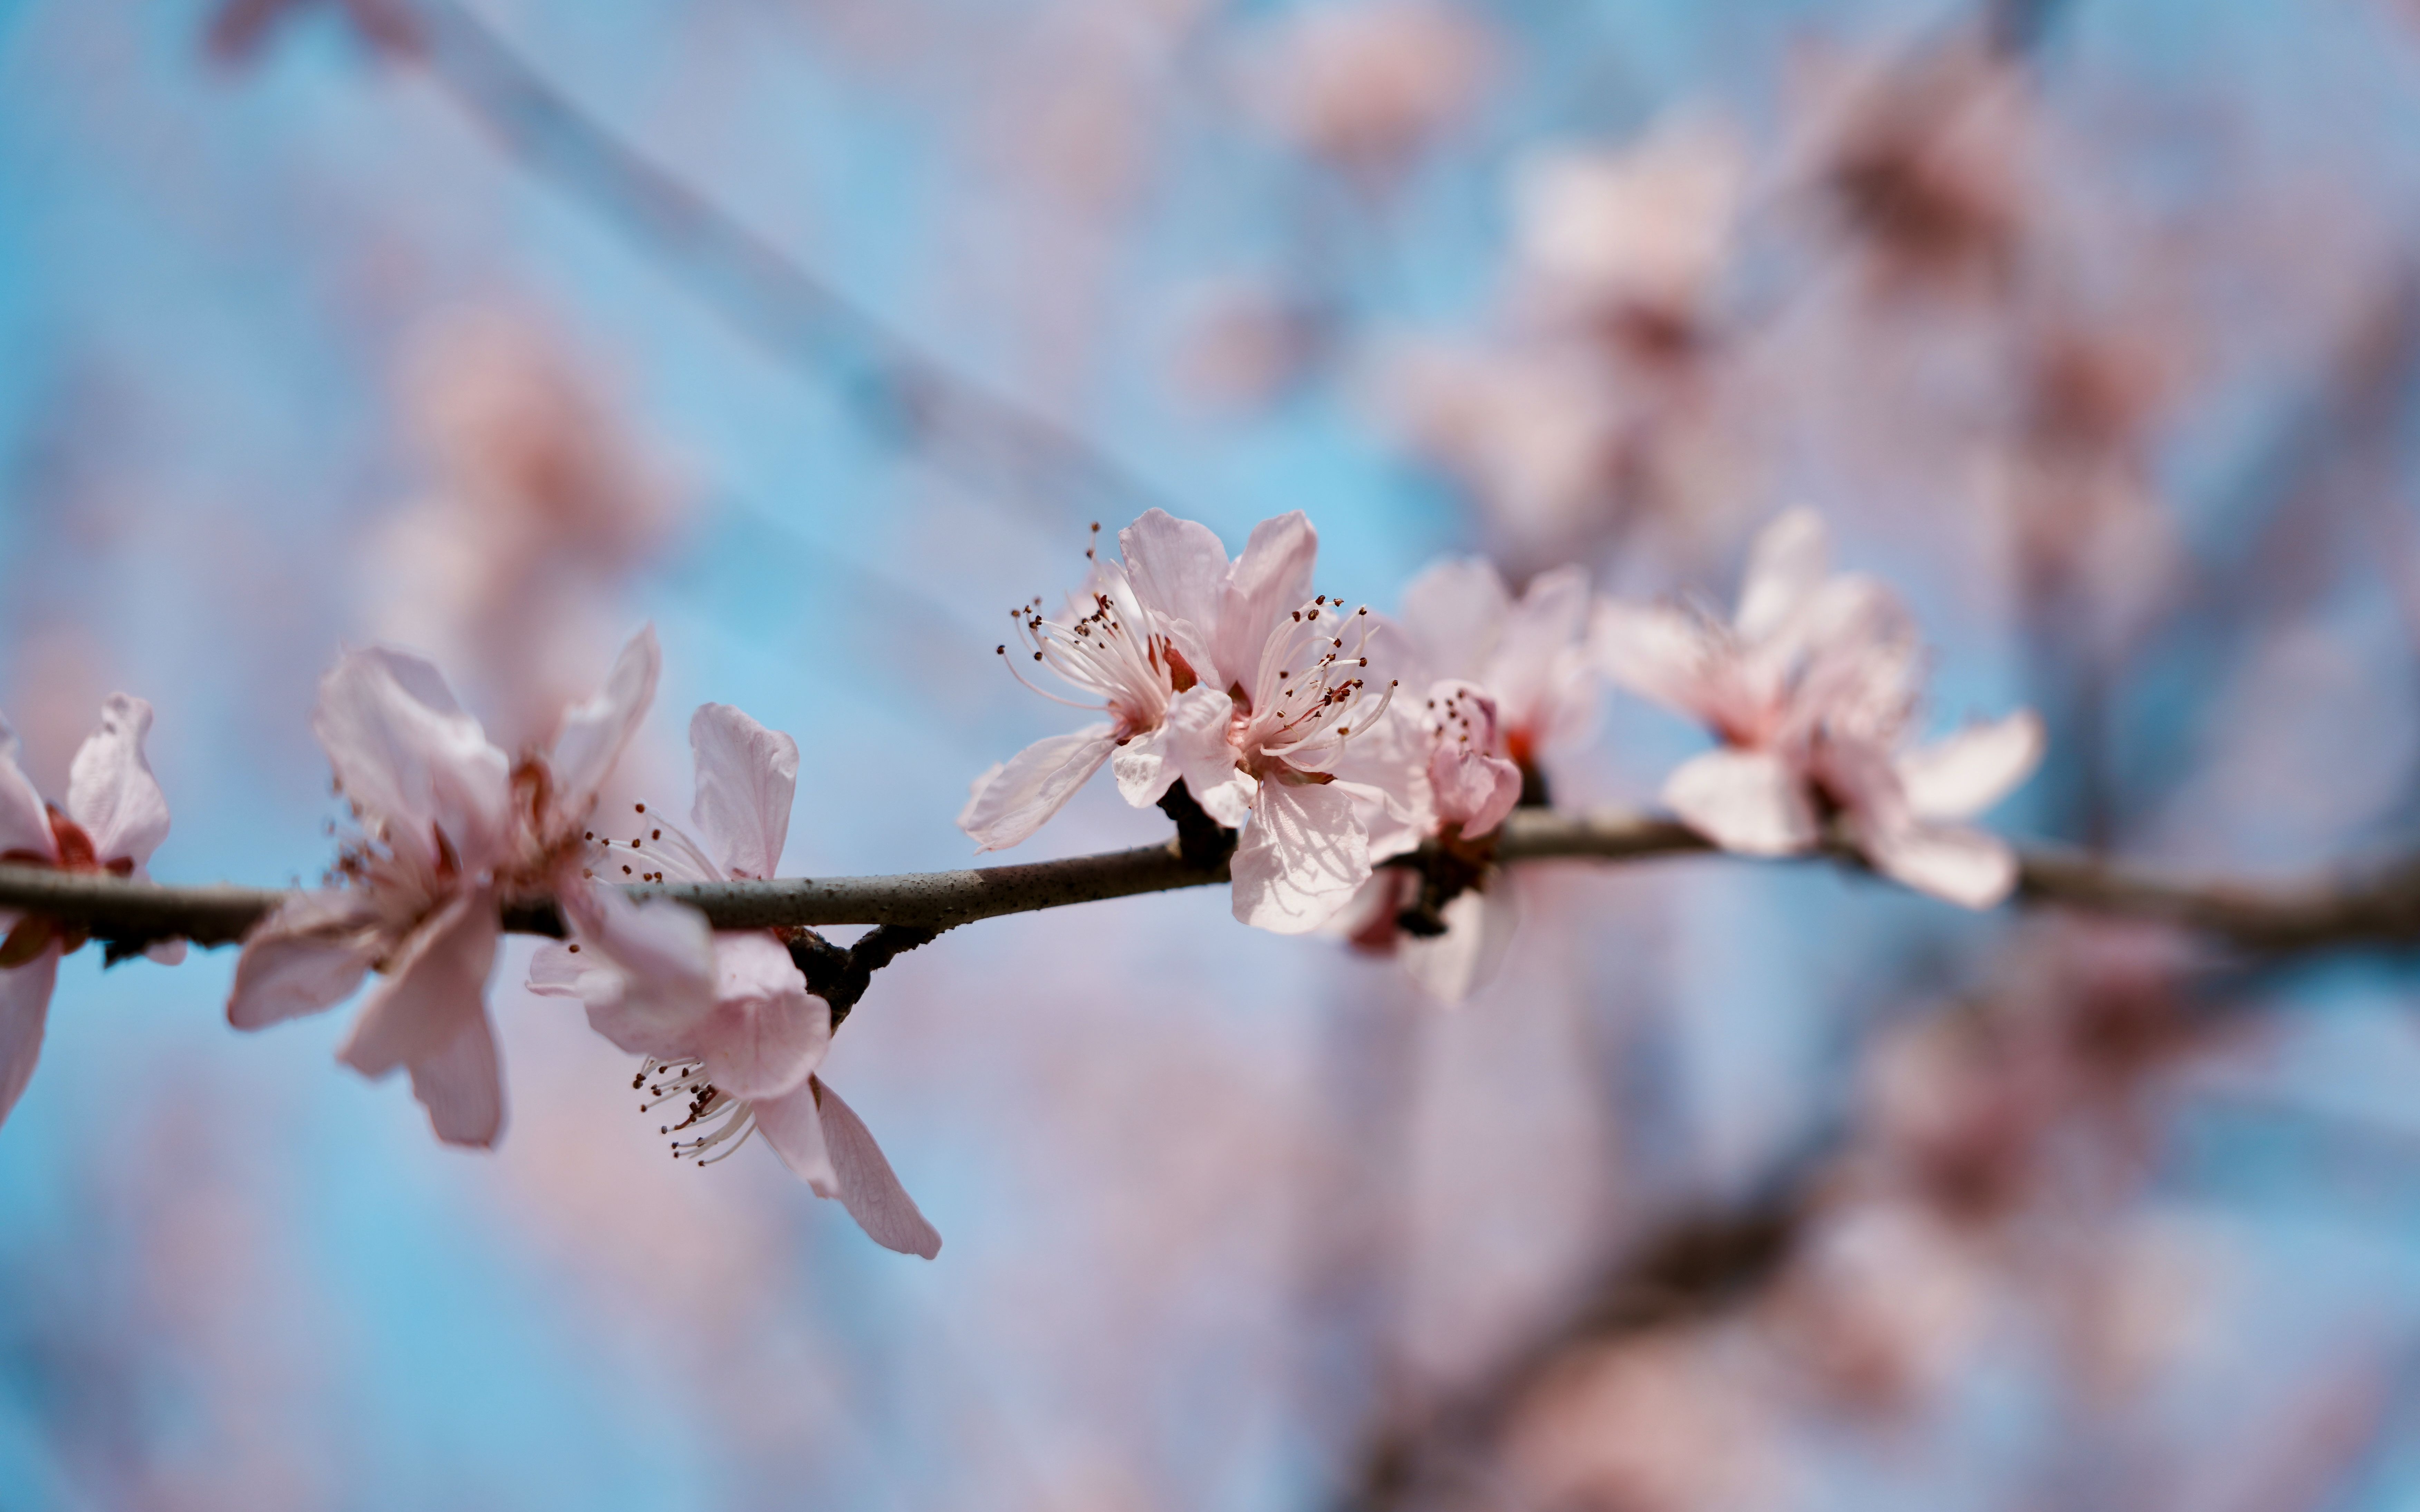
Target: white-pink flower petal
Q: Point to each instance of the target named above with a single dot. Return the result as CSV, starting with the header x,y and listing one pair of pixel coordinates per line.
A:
x,y
439,985
1535,670
766,1032
1952,862
1142,767
1269,581
747,777
1474,790
25,824
1196,748
1302,859
594,734
1787,563
649,972
405,752
1179,569
1659,653
1011,801
1965,772
794,1126
111,790
557,970
462,1085
1454,614
868,1186
25,1005
307,956
1749,801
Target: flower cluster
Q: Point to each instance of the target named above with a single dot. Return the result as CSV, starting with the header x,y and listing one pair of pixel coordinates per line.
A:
x,y
450,828
1357,772
114,818
1812,687
1376,814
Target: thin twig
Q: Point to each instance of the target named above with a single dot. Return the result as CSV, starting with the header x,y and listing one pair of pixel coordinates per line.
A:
x,y
840,977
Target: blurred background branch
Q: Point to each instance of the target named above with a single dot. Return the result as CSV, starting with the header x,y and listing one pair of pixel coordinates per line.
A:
x,y
904,394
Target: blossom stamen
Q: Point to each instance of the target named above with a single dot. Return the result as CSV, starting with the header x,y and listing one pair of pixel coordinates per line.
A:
x,y
723,1122
1108,652
1299,706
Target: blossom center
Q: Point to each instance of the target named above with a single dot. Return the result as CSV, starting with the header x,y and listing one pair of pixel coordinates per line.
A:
x,y
1309,696
1107,652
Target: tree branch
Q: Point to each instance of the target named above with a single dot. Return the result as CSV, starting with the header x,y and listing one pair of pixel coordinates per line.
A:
x,y
2380,907
840,975
2349,911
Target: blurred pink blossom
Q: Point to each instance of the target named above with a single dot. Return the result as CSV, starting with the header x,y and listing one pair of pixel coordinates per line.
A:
x,y
1655,1425
449,826
1367,85
2093,542
2141,1294
1882,1304
511,568
1810,688
1927,164
1241,344
116,817
1591,402
1630,242
1952,1110
1530,654
1539,434
1960,1109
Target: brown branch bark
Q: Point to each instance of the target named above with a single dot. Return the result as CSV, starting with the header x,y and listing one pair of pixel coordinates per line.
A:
x,y
2380,907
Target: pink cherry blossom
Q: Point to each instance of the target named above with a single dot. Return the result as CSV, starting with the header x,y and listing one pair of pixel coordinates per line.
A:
x,y
1539,432
1812,687
1108,648
1277,758
1529,655
1471,786
1460,789
116,817
1631,240
449,826
1517,679
1231,676
1927,163
1366,85
725,1019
